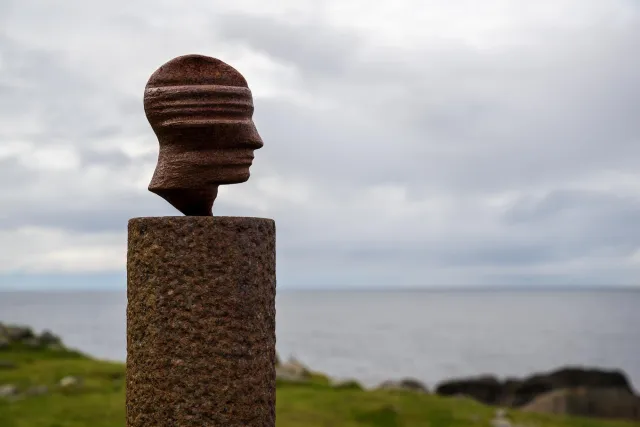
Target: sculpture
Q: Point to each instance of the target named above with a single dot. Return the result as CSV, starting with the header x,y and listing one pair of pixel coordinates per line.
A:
x,y
201,109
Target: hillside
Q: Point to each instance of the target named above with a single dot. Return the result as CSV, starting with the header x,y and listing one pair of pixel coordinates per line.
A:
x,y
50,386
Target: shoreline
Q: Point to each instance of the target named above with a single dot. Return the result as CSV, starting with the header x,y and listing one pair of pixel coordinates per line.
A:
x,y
605,393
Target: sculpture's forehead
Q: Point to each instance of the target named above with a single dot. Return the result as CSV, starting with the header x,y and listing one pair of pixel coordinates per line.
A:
x,y
196,70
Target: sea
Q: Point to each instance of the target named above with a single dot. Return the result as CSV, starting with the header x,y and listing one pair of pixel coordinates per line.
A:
x,y
373,336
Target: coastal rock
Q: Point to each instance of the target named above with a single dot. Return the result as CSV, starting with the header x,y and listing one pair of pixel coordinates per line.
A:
x,y
519,394
8,390
501,420
18,333
516,393
292,371
612,403
408,384
486,389
69,382
48,339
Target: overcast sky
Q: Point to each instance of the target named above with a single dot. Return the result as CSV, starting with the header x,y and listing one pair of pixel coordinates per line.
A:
x,y
407,143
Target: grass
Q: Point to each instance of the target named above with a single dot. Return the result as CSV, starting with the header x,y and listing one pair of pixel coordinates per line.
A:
x,y
99,402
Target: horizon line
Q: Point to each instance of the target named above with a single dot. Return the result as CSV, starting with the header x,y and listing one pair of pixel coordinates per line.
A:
x,y
426,288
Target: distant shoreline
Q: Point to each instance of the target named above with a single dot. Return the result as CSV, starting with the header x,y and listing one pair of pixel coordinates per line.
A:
x,y
429,289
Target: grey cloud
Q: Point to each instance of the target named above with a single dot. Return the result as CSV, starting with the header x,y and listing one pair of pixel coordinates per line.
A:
x,y
470,120
440,118
311,46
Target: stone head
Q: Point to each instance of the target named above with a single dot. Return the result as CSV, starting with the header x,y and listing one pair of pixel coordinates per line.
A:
x,y
201,110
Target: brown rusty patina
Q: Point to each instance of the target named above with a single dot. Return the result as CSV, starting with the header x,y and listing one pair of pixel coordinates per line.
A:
x,y
201,110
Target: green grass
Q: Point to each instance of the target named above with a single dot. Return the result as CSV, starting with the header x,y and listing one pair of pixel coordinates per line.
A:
x,y
100,400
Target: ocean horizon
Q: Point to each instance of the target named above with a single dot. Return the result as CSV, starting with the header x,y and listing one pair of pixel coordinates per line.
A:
x,y
372,335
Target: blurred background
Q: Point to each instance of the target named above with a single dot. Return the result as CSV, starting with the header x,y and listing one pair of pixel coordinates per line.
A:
x,y
455,183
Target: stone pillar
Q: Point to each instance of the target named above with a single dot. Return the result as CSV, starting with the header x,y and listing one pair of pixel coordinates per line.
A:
x,y
200,289
201,322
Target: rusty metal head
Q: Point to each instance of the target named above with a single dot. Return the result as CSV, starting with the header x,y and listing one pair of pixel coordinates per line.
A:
x,y
201,111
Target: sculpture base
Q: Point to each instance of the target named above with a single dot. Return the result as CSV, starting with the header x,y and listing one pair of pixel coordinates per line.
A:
x,y
201,322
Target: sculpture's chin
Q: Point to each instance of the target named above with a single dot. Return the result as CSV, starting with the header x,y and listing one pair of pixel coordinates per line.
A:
x,y
230,174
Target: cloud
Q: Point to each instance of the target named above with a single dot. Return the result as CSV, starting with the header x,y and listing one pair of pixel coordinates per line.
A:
x,y
413,143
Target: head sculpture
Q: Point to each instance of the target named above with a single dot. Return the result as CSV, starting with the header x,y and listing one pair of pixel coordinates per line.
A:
x,y
201,111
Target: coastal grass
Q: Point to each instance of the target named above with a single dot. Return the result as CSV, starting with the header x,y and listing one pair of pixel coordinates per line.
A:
x,y
99,401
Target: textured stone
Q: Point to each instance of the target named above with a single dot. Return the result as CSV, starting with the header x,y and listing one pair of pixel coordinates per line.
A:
x,y
600,402
201,322
201,111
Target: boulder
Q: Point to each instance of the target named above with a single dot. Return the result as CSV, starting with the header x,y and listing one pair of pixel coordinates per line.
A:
x,y
70,382
611,403
292,371
18,333
486,389
48,339
8,390
500,419
518,394
407,384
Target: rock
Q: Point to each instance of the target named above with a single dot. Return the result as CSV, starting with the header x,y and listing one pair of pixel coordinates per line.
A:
x,y
7,364
47,339
516,393
407,384
286,376
68,382
8,390
292,371
500,419
17,333
612,403
37,390
22,334
485,389
500,422
519,394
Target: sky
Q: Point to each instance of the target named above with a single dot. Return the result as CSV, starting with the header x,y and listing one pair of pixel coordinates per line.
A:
x,y
412,143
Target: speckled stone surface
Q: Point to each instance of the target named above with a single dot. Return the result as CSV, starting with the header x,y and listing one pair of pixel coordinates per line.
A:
x,y
201,322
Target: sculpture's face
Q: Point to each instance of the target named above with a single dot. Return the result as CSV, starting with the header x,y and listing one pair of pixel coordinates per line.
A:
x,y
201,110
205,129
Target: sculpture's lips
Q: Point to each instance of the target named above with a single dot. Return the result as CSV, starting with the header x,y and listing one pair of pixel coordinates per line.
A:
x,y
211,158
